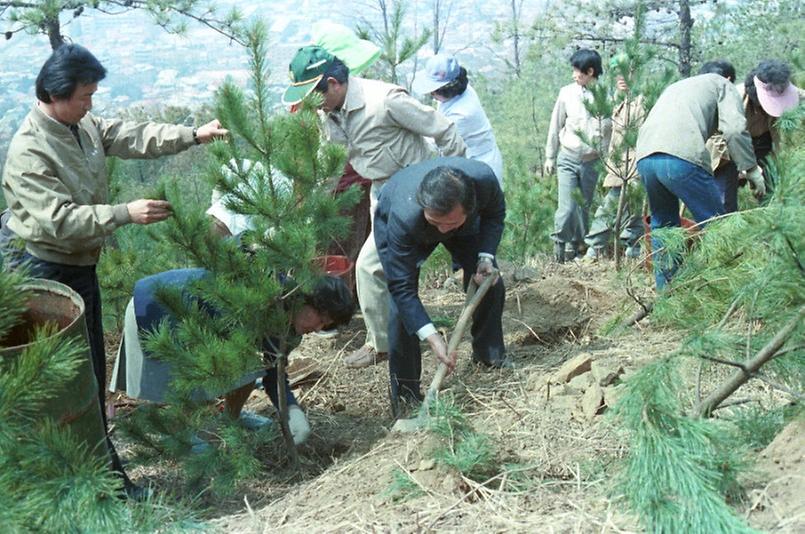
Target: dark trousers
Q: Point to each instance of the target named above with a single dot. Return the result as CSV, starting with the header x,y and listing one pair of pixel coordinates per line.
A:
x,y
726,180
405,355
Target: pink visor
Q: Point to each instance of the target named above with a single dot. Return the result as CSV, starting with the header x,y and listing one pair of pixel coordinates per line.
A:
x,y
774,101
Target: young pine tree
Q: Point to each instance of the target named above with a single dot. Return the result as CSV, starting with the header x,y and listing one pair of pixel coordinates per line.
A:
x,y
632,90
249,286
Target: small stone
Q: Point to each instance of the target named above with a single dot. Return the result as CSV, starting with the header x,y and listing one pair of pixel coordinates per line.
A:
x,y
606,372
574,367
581,382
426,464
612,394
592,403
567,389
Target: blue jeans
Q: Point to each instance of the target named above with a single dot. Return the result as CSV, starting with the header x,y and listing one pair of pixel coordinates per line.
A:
x,y
668,180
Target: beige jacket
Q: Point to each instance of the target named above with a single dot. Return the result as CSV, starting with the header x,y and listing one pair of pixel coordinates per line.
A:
x,y
627,115
687,113
569,116
384,129
57,190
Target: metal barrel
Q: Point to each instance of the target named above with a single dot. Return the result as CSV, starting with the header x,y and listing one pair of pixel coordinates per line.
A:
x,y
76,404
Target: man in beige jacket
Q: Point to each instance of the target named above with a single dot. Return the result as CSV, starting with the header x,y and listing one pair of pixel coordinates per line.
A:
x,y
384,130
55,186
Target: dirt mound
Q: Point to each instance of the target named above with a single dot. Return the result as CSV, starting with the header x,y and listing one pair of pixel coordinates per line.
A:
x,y
551,310
778,504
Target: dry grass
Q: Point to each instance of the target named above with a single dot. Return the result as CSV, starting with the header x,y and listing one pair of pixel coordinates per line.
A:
x,y
553,468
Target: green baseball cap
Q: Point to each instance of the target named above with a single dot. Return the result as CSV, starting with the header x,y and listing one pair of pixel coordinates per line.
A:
x,y
306,70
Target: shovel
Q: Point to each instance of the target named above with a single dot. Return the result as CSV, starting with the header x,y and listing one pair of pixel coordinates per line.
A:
x,y
474,297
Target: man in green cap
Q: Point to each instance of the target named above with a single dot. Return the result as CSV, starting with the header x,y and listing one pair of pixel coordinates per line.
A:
x,y
384,130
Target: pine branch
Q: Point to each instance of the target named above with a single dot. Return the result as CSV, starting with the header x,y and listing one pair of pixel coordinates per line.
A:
x,y
740,377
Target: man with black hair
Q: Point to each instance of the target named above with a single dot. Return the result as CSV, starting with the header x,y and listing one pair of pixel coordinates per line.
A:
x,y
457,202
328,305
573,159
56,188
725,173
384,130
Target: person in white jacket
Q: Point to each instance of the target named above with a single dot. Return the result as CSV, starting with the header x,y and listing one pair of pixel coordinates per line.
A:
x,y
446,81
571,157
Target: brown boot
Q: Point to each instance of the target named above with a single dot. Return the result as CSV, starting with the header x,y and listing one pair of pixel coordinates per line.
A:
x,y
364,357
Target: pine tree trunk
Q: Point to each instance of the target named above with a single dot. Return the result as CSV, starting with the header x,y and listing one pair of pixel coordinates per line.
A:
x,y
53,27
685,27
741,376
616,227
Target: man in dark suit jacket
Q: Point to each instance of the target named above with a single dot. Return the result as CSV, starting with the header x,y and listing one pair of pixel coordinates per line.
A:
x,y
457,202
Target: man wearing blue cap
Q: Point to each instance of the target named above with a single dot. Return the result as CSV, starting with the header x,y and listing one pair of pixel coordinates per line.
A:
x,y
384,130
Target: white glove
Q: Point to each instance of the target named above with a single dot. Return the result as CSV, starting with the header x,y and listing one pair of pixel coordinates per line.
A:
x,y
298,425
549,167
755,177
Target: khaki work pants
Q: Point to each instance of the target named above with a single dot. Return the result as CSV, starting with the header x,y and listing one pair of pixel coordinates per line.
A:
x,y
373,294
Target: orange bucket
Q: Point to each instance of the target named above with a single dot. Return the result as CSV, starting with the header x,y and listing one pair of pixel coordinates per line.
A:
x,y
339,266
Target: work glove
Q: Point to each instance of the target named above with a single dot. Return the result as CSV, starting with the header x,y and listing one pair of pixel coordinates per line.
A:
x,y
755,178
298,424
549,167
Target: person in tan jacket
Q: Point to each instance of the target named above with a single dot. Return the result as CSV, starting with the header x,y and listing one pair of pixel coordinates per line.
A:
x,y
55,186
385,130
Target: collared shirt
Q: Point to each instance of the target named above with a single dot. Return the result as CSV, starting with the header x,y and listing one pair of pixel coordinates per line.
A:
x,y
569,116
56,187
384,129
690,111
466,112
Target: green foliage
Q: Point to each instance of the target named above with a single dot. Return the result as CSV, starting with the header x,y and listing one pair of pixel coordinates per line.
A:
x,y
43,466
275,169
746,32
46,17
676,472
736,289
12,300
403,486
397,48
462,448
529,212
757,426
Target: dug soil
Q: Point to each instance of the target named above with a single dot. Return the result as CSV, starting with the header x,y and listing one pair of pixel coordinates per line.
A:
x,y
554,452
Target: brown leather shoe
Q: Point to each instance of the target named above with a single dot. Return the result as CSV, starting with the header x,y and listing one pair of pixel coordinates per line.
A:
x,y
364,357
